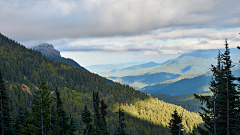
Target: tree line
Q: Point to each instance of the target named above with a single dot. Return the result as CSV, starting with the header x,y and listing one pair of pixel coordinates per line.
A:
x,y
46,115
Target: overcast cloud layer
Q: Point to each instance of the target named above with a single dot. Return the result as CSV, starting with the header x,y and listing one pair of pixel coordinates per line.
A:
x,y
152,27
98,18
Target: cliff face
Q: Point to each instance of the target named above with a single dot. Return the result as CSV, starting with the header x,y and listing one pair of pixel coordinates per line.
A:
x,y
47,50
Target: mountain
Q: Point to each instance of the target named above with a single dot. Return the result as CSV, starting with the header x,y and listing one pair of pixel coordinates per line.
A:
x,y
189,84
146,79
211,53
22,69
185,86
196,62
106,68
49,51
145,65
162,72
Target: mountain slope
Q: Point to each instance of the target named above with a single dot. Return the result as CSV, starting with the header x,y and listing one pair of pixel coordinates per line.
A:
x,y
146,79
211,53
187,101
192,84
145,65
21,66
196,62
170,70
49,51
185,86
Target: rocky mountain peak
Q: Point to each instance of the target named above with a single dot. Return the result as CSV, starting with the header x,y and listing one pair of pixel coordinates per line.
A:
x,y
47,49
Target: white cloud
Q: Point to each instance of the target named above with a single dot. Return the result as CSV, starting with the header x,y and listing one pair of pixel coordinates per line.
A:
x,y
151,53
28,19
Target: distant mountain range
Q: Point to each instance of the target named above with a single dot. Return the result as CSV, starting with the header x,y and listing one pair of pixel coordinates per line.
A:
x,y
189,67
110,67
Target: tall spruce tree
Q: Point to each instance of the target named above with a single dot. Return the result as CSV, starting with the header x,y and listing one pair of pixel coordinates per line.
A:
x,y
120,130
61,114
174,124
20,122
103,117
228,98
86,118
6,120
97,117
210,104
41,115
72,126
221,112
27,120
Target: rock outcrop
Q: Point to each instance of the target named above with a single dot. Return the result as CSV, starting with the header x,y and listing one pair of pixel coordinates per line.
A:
x,y
47,50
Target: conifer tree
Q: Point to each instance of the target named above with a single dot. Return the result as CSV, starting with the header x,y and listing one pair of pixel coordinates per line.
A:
x,y
174,123
42,103
211,102
61,114
20,122
221,112
6,120
103,117
72,126
86,118
97,117
27,120
228,98
122,125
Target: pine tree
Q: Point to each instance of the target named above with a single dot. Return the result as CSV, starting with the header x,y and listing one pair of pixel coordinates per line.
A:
x,y
6,120
64,125
103,117
86,118
27,120
228,98
211,103
221,112
174,123
122,125
42,103
97,117
72,127
20,122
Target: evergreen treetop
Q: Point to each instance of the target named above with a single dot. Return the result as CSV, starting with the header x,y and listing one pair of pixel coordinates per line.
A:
x,y
6,120
174,124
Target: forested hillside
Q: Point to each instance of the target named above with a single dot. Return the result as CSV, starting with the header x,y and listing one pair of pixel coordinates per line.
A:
x,y
22,69
159,113
187,101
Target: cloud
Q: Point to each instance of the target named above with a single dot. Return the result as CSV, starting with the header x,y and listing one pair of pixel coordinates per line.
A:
x,y
150,53
54,19
178,41
203,42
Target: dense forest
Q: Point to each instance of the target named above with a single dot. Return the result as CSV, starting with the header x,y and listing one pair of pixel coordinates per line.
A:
x,y
22,70
187,101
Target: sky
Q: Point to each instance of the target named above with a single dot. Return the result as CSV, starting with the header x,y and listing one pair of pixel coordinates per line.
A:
x,y
94,32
